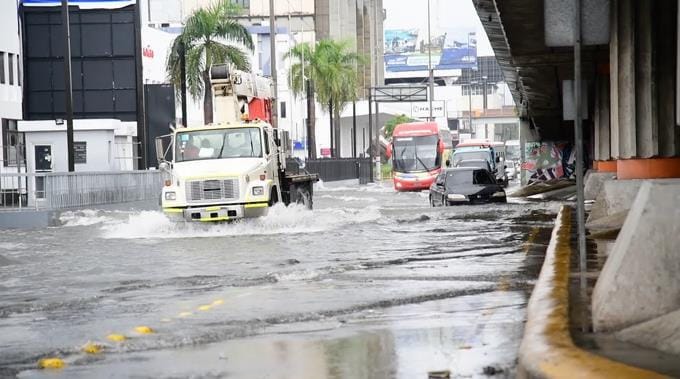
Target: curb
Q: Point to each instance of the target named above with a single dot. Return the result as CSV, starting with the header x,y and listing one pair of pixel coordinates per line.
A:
x,y
547,350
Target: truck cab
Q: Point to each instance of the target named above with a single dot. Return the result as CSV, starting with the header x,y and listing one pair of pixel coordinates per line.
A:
x,y
221,172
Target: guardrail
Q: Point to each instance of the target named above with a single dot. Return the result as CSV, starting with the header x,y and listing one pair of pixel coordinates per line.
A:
x,y
77,189
334,169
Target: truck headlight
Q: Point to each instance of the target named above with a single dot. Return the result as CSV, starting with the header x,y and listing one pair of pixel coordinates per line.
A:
x,y
498,194
170,196
258,191
456,197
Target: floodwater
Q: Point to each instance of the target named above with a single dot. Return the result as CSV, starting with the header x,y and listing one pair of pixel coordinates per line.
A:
x,y
370,284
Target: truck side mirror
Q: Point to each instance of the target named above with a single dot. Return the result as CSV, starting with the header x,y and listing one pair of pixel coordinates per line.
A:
x,y
448,163
164,166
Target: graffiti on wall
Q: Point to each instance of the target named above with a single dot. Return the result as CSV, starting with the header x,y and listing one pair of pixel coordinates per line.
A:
x,y
548,160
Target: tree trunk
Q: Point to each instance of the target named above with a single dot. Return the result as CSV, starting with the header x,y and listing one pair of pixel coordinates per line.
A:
x,y
330,123
338,132
311,121
207,99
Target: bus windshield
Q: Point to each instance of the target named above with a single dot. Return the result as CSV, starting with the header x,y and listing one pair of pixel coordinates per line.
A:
x,y
412,154
218,144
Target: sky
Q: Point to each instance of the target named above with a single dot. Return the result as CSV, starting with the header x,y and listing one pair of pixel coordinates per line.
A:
x,y
458,14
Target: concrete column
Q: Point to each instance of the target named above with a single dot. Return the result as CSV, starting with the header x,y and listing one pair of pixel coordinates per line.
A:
x,y
614,78
626,77
647,128
602,134
665,21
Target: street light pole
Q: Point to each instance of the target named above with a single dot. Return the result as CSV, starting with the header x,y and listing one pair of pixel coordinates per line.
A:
x,y
429,60
68,91
272,60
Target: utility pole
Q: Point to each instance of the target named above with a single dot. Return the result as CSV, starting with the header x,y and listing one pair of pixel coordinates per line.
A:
x,y
470,102
68,91
272,61
429,60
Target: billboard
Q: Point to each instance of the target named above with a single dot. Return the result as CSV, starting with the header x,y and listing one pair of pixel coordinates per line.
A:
x,y
407,50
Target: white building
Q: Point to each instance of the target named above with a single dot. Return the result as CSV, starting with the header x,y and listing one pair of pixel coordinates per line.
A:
x,y
10,85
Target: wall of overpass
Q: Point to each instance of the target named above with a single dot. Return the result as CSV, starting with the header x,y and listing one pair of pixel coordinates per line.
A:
x,y
632,119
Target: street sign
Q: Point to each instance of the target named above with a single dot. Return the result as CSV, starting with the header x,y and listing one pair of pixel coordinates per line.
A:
x,y
422,110
395,94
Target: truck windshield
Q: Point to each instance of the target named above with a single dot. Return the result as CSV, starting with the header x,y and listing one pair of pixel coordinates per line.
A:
x,y
415,153
218,144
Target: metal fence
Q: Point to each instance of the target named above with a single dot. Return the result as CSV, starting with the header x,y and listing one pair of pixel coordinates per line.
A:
x,y
335,169
78,189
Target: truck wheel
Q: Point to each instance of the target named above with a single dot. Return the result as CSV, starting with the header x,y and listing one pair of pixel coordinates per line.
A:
x,y
304,197
432,204
274,197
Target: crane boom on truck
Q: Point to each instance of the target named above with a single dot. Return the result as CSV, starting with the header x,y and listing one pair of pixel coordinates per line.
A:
x,y
237,167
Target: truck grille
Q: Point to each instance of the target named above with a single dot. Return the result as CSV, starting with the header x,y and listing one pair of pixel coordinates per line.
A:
x,y
214,189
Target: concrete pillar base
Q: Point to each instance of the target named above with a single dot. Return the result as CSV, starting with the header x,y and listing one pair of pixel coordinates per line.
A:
x,y
661,333
605,166
614,197
639,280
651,168
594,181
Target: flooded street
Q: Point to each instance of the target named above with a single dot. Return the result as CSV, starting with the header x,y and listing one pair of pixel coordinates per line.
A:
x,y
371,284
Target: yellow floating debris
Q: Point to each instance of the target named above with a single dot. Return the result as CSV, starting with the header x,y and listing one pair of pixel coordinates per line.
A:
x,y
92,348
184,314
51,363
144,330
116,337
166,320
204,307
218,302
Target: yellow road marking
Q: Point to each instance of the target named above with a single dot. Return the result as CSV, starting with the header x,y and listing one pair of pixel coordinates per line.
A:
x,y
184,314
92,348
53,363
144,330
530,239
204,307
116,337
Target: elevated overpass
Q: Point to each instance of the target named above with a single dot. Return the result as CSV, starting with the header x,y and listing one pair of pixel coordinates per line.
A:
x,y
631,125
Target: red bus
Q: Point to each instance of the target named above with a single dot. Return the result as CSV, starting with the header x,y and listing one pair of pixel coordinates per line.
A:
x,y
419,151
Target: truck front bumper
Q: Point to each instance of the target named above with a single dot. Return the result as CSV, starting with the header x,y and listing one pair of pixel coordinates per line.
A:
x,y
224,212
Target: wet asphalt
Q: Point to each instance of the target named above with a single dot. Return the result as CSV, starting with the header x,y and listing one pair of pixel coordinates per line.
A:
x,y
370,284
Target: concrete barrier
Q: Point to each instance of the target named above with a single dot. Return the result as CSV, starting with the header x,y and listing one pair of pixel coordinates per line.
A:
x,y
594,181
639,281
614,197
661,333
547,350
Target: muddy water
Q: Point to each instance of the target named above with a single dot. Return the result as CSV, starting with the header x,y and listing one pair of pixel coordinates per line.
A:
x,y
370,284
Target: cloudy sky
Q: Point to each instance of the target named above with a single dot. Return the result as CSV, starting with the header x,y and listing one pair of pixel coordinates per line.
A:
x,y
455,14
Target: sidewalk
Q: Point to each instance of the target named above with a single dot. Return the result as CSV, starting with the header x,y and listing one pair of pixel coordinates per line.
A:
x,y
558,342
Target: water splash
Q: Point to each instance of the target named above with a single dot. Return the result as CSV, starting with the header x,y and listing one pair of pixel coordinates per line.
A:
x,y
280,220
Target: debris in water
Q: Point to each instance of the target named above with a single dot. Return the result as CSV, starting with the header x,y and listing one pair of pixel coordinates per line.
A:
x,y
491,370
444,374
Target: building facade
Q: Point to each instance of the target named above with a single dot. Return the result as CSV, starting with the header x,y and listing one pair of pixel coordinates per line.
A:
x,y
11,84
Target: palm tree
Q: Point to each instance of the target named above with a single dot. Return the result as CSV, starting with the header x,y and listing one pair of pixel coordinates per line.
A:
x,y
332,73
200,41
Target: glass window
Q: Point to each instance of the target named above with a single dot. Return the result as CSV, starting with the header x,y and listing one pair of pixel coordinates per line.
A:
x,y
283,109
482,177
457,178
218,144
10,68
413,154
2,68
266,141
18,70
13,143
